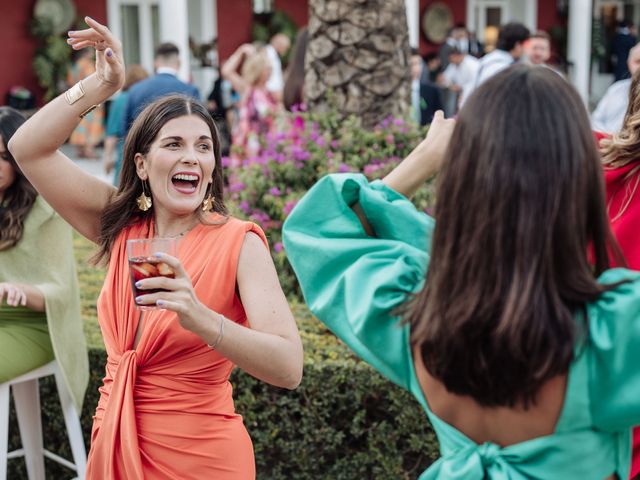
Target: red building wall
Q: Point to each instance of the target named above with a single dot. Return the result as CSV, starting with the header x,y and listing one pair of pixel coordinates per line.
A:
x,y
298,10
17,46
548,15
234,25
97,9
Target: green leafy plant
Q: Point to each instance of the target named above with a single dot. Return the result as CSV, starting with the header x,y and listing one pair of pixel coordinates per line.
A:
x,y
52,58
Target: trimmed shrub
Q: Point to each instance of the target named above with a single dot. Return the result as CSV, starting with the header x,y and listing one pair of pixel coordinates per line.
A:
x,y
344,422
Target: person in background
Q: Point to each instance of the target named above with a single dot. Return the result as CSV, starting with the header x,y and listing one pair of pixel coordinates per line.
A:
x,y
257,106
90,131
609,113
275,50
433,68
164,82
458,38
509,49
537,48
425,96
220,104
293,93
39,295
114,135
621,44
460,75
475,47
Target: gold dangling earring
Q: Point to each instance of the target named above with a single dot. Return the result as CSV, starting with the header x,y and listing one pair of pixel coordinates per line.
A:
x,y
144,201
207,204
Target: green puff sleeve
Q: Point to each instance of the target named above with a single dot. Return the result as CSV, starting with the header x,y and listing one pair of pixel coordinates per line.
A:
x,y
353,282
614,367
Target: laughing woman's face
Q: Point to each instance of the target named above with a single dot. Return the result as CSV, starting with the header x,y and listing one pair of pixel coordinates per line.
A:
x,y
179,165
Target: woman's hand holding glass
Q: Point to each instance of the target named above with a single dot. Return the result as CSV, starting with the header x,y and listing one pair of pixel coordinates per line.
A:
x,y
177,295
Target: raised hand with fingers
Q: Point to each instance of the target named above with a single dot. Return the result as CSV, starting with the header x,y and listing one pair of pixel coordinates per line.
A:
x,y
109,58
425,160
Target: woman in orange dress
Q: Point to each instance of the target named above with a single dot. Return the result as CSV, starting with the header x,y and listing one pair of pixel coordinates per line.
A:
x,y
166,409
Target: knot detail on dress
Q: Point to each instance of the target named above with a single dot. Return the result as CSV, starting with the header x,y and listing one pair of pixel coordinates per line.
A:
x,y
488,453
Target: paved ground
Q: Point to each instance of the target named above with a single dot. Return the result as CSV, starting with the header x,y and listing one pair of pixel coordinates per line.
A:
x,y
94,167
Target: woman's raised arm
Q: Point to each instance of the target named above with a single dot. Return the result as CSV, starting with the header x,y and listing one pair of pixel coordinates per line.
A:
x,y
77,196
230,67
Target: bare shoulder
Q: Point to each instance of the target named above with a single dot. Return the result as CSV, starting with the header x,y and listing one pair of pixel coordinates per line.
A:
x,y
253,245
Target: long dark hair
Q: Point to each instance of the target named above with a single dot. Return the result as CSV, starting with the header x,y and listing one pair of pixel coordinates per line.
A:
x,y
520,203
20,196
122,210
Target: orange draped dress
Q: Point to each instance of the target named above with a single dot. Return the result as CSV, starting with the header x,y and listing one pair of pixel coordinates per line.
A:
x,y
166,409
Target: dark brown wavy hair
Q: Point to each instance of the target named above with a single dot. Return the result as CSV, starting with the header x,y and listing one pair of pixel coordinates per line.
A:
x,y
20,196
122,210
520,203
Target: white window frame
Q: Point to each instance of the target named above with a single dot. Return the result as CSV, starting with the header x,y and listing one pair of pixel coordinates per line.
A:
x,y
477,20
145,30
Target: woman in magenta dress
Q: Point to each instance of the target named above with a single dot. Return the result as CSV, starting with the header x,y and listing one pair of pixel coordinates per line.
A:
x,y
257,106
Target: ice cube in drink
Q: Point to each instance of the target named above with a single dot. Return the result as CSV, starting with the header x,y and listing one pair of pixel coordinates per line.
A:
x,y
148,267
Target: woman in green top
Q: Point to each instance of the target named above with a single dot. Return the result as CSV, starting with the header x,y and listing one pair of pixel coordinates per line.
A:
x,y
519,344
39,302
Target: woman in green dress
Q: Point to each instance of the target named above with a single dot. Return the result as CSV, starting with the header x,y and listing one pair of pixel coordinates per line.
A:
x,y
500,314
39,301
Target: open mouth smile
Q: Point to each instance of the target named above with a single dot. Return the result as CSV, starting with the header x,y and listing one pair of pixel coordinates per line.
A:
x,y
186,182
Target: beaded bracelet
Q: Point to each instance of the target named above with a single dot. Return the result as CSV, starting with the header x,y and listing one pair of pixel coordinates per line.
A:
x,y
220,334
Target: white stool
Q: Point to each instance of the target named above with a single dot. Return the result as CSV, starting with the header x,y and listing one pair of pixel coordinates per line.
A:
x,y
27,402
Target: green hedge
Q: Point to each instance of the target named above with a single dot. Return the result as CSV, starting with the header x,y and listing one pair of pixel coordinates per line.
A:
x,y
344,422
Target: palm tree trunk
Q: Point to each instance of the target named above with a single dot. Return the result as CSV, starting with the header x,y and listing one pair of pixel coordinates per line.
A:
x,y
358,58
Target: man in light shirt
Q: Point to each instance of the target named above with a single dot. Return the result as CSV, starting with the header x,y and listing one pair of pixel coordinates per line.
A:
x,y
609,114
460,75
278,46
508,51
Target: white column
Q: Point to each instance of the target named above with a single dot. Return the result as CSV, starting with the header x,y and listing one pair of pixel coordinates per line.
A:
x,y
113,18
209,29
472,21
531,15
579,44
174,27
413,21
146,36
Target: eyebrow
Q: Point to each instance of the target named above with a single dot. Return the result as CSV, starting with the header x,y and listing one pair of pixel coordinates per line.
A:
x,y
202,137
